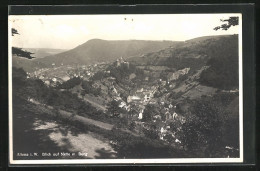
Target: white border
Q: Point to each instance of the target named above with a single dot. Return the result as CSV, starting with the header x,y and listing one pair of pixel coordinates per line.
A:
x,y
240,88
128,161
10,91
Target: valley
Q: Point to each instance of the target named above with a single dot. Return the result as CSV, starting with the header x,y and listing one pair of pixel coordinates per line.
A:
x,y
173,100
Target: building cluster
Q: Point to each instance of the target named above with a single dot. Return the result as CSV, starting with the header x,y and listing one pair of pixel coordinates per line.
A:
x,y
58,74
49,77
134,101
121,61
139,98
175,75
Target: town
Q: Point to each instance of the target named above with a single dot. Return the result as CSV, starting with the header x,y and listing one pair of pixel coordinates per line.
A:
x,y
131,95
144,98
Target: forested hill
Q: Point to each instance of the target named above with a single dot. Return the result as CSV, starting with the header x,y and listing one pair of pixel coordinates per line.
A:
x,y
220,53
97,50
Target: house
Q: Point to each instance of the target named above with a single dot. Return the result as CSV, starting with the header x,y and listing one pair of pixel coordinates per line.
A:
x,y
114,90
157,117
152,101
140,116
127,108
174,116
133,98
168,116
30,99
117,98
162,133
122,104
172,85
120,61
163,83
111,78
182,119
163,130
177,141
147,98
47,82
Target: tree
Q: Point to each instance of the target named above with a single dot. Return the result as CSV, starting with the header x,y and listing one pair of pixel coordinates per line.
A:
x,y
202,132
83,93
148,113
21,53
223,64
18,51
132,126
232,21
151,133
113,108
70,83
14,31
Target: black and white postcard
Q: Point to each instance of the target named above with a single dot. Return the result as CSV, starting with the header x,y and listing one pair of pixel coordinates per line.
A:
x,y
125,88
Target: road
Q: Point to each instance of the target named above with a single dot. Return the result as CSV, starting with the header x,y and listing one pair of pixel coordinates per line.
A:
x,y
96,105
84,120
72,117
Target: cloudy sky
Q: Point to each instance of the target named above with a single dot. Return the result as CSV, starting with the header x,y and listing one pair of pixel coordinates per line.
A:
x,y
69,31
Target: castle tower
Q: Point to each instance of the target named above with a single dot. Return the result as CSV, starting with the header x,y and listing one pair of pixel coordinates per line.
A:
x,y
118,63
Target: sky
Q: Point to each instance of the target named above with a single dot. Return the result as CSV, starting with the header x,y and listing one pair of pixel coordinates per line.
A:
x,y
69,31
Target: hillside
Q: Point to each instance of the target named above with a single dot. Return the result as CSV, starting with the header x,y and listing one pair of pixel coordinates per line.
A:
x,y
198,48
218,52
200,39
179,100
97,50
43,52
30,65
